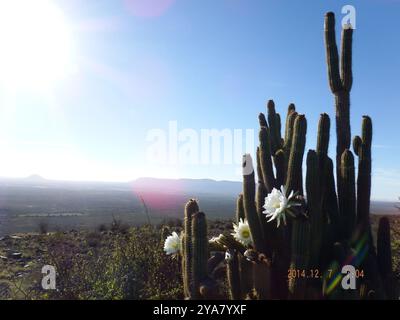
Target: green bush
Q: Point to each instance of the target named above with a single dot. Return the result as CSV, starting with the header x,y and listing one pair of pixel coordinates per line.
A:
x,y
123,265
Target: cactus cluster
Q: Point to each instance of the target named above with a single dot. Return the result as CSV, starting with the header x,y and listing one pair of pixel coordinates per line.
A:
x,y
303,258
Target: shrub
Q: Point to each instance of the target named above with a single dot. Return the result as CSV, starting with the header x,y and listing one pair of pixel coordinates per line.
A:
x,y
129,265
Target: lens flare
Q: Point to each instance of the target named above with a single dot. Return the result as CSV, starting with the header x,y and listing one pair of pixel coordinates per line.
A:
x,y
355,258
37,47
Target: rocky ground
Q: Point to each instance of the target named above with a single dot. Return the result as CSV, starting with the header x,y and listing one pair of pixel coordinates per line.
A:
x,y
22,256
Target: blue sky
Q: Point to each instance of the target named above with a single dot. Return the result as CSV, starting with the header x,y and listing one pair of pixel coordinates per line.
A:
x,y
209,64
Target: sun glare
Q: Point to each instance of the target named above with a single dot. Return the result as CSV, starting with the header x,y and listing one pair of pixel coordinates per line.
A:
x,y
35,44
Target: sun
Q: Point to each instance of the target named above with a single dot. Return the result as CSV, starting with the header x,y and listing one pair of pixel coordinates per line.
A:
x,y
36,49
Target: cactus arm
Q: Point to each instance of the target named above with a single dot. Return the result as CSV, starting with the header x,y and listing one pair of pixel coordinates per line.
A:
x,y
332,55
299,258
384,260
265,159
250,204
233,276
330,202
313,188
262,120
279,161
274,126
294,174
190,209
384,254
357,142
246,276
346,58
364,173
323,135
289,136
347,194
200,252
240,209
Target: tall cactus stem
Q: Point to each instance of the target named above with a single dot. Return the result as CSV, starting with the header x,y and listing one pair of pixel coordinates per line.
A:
x,y
340,82
280,168
274,126
364,173
346,72
190,209
200,252
384,250
347,194
299,258
357,142
233,276
266,160
314,201
323,134
240,215
249,202
262,120
294,174
332,55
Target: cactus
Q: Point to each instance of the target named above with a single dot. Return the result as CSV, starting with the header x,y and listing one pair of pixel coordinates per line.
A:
x,y
233,276
340,81
300,243
314,200
249,203
240,209
363,146
384,260
200,252
274,122
347,194
240,264
299,258
190,209
195,255
329,227
265,159
324,126
294,180
384,248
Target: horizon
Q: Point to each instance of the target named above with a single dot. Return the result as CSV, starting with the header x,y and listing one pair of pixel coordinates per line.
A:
x,y
88,104
37,176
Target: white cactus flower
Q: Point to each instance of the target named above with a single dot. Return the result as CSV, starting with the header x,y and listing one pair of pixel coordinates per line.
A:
x,y
277,204
242,232
172,244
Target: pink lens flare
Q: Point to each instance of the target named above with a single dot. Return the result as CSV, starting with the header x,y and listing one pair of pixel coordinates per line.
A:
x,y
148,8
156,197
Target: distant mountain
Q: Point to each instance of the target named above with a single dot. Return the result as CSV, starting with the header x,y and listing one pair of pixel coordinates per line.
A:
x,y
188,186
35,178
26,202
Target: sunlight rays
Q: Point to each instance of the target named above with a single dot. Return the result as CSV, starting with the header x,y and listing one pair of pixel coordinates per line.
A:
x,y
37,47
